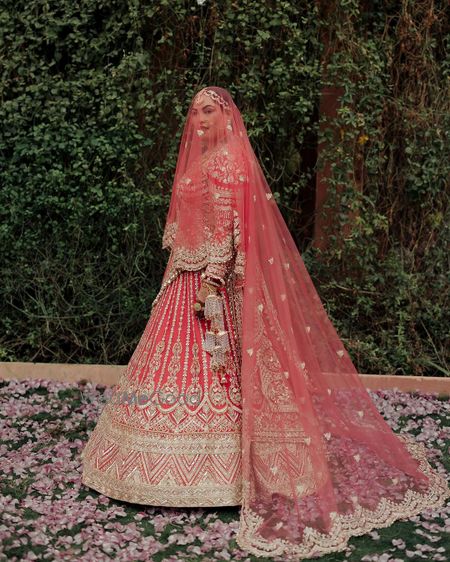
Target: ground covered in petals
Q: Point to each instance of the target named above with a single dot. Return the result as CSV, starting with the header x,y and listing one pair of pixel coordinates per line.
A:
x,y
47,514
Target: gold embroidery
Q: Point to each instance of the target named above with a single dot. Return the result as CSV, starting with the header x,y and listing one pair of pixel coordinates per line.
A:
x,y
157,468
276,460
361,521
169,235
235,294
141,447
220,252
274,386
206,494
194,392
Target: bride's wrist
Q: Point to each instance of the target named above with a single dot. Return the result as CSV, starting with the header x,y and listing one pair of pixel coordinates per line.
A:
x,y
213,280
211,288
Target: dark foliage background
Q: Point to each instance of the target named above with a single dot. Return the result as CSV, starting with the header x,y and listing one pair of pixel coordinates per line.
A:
x,y
93,97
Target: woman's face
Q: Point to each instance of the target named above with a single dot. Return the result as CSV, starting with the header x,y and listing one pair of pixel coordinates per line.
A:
x,y
207,119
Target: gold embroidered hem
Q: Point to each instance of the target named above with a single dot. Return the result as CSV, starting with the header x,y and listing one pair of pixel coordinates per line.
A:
x,y
176,470
168,496
361,521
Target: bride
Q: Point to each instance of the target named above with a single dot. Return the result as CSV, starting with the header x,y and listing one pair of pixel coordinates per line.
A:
x,y
240,391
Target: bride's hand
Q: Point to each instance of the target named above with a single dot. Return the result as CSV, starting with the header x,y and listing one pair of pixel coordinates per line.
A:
x,y
204,291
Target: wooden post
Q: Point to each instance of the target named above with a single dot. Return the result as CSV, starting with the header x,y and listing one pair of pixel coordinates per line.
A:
x,y
328,109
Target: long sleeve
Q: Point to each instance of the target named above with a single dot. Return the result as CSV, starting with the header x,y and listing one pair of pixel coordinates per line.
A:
x,y
225,184
220,251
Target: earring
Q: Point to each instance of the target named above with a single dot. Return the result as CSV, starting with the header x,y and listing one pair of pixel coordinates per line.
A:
x,y
229,127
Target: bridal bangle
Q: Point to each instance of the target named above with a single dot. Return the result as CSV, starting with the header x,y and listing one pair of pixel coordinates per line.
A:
x,y
212,288
212,279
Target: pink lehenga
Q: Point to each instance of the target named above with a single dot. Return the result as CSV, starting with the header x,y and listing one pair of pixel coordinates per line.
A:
x,y
171,433
305,451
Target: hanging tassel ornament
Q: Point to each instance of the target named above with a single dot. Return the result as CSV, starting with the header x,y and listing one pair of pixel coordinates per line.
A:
x,y
216,340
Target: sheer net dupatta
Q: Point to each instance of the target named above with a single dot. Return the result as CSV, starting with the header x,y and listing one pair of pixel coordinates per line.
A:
x,y
320,464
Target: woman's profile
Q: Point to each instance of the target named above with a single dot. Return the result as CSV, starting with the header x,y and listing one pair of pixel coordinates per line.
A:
x,y
240,391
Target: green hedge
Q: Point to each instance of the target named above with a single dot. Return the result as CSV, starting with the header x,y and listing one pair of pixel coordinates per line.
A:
x,y
94,96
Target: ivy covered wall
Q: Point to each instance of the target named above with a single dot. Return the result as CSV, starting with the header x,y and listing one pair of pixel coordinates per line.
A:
x,y
93,98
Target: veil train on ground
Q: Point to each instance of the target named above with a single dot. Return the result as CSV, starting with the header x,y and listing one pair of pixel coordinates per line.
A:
x,y
319,462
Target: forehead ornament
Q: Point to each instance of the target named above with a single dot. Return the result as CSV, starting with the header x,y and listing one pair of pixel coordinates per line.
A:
x,y
217,98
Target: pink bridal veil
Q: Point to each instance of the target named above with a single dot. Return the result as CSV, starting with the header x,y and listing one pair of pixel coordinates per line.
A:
x,y
319,462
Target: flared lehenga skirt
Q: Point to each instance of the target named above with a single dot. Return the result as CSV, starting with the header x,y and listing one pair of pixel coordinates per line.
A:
x,y
170,435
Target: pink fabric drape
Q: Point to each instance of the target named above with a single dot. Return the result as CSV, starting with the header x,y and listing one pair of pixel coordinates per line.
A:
x,y
319,462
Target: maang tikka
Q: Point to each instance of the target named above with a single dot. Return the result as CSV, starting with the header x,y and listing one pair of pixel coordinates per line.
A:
x,y
213,95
